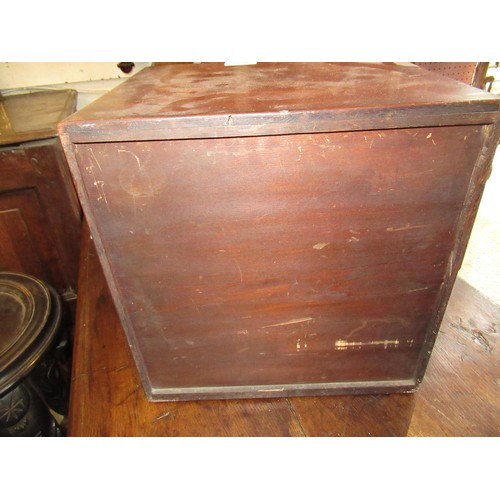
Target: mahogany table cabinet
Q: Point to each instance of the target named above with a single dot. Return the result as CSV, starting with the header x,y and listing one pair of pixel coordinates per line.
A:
x,y
281,229
40,215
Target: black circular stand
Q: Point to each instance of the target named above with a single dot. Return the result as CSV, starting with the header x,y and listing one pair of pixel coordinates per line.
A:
x,y
32,387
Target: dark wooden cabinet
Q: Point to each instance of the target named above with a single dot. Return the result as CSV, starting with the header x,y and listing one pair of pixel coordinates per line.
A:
x,y
40,214
282,229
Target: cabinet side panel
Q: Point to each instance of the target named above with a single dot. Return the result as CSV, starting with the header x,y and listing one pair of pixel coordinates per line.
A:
x,y
301,259
479,175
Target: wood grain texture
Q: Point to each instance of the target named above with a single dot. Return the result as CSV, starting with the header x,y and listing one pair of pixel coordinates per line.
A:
x,y
40,214
465,369
21,229
34,116
106,383
211,100
304,235
36,186
256,264
458,397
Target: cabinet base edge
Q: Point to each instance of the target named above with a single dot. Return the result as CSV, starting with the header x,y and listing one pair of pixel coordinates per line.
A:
x,y
283,390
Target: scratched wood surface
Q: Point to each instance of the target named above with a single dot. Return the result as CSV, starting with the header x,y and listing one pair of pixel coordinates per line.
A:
x,y
281,228
459,396
272,263
211,100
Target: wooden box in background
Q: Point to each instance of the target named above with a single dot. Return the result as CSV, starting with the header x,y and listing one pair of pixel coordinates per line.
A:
x,y
281,229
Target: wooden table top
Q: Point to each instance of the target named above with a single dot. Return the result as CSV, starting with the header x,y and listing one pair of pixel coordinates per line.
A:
x,y
460,394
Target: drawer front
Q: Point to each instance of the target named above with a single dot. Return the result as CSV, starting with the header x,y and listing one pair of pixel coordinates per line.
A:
x,y
265,262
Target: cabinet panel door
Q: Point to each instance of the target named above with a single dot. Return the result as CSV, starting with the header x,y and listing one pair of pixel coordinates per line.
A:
x,y
39,215
59,203
24,237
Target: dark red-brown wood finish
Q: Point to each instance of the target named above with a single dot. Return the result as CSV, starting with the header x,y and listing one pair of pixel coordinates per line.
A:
x,y
40,215
458,397
282,229
211,100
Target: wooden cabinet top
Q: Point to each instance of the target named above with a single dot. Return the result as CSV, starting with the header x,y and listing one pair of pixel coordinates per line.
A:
x,y
28,117
180,101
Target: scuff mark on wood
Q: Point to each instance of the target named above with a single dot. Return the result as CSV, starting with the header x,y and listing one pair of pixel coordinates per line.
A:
x,y
163,415
120,368
342,345
477,335
320,246
239,269
405,227
365,323
131,393
291,322
418,289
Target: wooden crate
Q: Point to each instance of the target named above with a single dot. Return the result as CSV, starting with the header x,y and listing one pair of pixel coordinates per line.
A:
x,y
281,229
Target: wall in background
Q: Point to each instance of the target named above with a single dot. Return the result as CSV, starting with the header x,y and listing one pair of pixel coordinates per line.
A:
x,y
89,79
